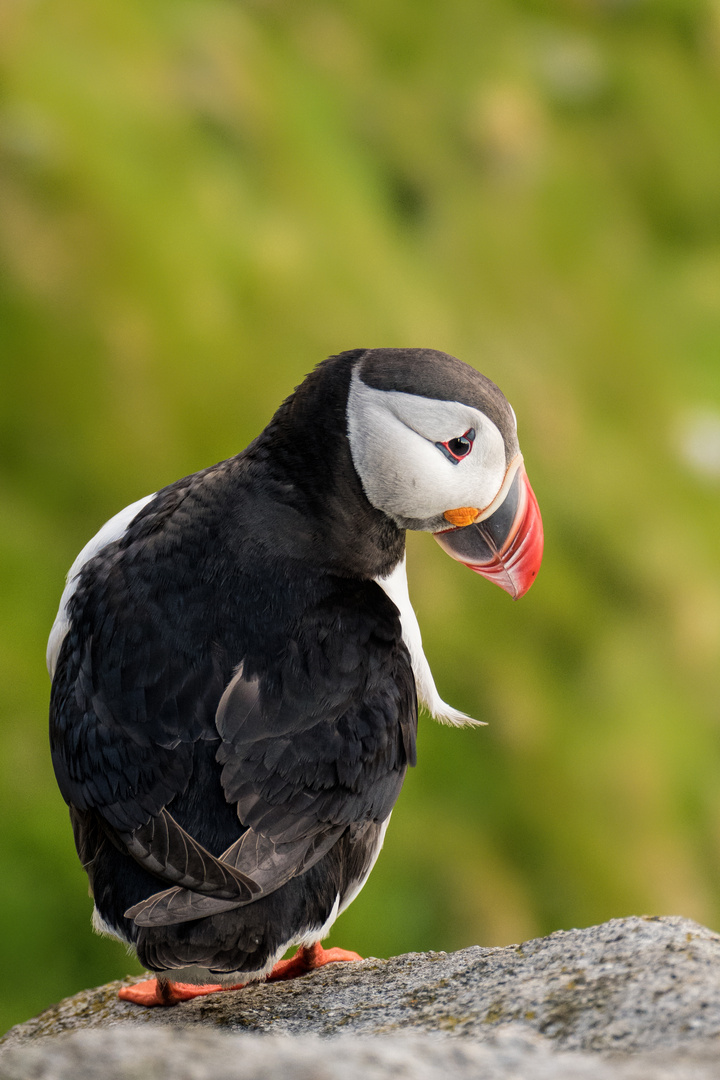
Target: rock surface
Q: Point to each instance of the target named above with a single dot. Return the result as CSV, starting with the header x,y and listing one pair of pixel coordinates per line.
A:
x,y
637,997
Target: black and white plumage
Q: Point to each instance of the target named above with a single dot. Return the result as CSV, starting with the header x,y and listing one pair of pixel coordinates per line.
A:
x,y
236,663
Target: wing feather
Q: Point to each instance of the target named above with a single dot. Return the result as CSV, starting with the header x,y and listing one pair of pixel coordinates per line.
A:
x,y
165,849
271,866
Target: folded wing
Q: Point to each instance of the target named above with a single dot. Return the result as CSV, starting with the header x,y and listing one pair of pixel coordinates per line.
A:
x,y
315,744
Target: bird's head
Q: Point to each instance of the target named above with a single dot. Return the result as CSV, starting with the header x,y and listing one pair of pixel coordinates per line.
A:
x,y
435,446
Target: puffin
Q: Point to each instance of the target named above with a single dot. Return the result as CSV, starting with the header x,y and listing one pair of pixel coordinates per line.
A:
x,y
236,665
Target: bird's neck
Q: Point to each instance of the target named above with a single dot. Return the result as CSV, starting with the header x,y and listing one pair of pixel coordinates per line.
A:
x,y
304,454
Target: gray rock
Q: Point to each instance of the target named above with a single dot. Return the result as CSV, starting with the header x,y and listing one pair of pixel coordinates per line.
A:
x,y
643,991
196,1053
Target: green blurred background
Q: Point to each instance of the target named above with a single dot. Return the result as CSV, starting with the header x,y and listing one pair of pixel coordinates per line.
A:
x,y
200,199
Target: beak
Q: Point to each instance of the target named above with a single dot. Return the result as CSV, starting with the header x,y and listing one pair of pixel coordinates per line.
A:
x,y
505,547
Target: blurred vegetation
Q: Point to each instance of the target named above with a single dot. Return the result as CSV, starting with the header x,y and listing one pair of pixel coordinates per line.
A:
x,y
200,199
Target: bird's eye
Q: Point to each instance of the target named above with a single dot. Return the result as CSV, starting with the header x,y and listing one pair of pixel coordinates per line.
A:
x,y
456,449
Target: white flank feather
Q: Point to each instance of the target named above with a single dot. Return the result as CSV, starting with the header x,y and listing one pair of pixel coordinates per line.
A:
x,y
396,587
111,530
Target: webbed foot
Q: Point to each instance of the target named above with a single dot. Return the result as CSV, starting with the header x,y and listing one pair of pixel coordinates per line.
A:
x,y
308,959
164,992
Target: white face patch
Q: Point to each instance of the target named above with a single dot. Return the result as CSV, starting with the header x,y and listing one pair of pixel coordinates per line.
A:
x,y
393,439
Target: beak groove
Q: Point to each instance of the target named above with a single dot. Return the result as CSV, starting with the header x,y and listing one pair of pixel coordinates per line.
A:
x,y
505,547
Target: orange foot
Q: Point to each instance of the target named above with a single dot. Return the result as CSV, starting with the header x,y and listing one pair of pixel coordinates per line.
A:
x,y
307,959
165,992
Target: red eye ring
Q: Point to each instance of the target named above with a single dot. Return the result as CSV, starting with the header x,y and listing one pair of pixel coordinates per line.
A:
x,y
457,449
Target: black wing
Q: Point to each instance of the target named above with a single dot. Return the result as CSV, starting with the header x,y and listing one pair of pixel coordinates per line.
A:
x,y
317,743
